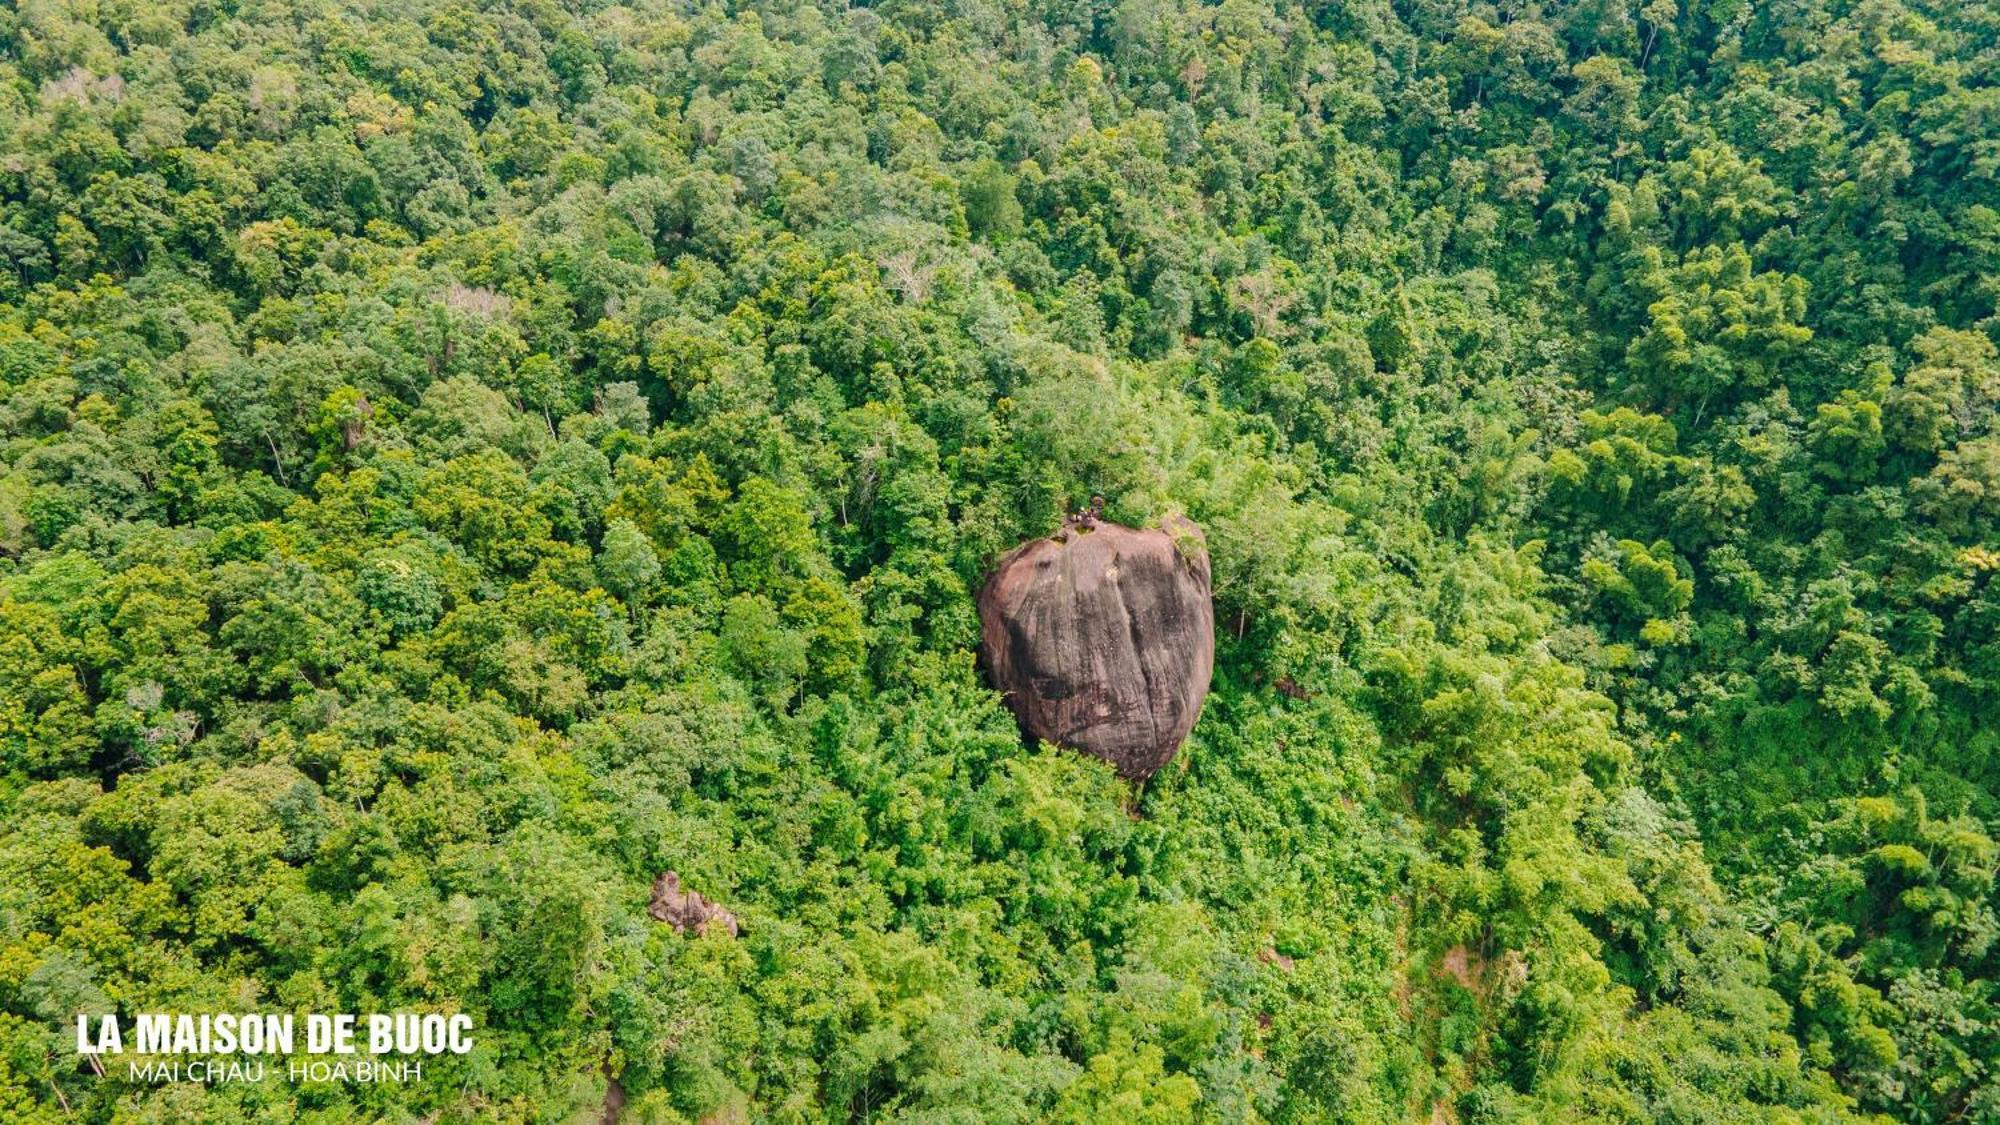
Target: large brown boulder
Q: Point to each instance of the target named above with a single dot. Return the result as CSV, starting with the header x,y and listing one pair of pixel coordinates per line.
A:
x,y
1102,639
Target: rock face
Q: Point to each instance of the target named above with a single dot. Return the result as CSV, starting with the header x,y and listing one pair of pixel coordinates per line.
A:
x,y
686,911
1102,639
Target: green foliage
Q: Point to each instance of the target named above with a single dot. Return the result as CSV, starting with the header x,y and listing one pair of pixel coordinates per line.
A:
x,y
458,462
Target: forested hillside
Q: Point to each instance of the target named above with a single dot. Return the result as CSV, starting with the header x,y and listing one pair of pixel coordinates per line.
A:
x,y
459,461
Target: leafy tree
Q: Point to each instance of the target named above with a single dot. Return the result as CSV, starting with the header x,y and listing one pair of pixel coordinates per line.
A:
x,y
459,463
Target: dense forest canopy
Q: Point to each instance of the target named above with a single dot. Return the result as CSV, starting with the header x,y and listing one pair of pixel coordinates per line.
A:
x,y
459,461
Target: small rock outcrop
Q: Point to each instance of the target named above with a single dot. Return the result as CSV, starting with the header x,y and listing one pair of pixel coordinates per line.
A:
x,y
686,911
1102,638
